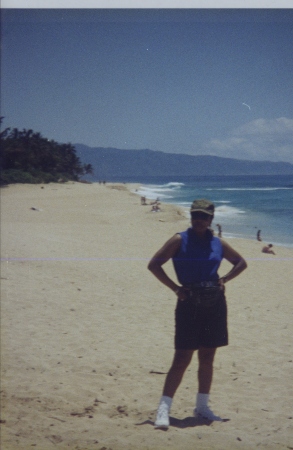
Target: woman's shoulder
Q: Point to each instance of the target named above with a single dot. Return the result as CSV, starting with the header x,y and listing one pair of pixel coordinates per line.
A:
x,y
218,243
174,240
226,247
172,246
223,242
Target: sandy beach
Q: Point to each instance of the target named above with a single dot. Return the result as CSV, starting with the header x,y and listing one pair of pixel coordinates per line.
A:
x,y
87,331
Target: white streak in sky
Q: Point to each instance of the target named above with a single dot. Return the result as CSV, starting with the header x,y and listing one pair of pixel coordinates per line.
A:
x,y
245,104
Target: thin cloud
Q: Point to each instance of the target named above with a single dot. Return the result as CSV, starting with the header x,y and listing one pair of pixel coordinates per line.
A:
x,y
262,139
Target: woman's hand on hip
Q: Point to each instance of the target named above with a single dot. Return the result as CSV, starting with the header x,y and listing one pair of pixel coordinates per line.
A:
x,y
182,293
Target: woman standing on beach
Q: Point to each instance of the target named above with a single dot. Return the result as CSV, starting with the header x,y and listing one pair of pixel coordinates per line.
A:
x,y
201,312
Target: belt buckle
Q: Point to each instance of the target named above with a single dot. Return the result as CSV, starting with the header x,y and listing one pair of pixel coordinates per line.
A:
x,y
208,283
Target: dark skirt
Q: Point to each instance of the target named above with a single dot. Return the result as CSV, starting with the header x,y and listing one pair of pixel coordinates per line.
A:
x,y
198,326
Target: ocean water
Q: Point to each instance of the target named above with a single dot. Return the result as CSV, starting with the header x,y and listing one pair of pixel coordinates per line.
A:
x,y
244,204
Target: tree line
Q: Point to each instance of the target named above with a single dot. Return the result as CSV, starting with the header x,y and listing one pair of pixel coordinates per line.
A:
x,y
28,157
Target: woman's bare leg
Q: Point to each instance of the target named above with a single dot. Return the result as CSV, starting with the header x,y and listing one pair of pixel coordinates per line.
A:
x,y
180,363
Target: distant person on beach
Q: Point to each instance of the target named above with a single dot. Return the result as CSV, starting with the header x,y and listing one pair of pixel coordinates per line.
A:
x,y
219,230
268,249
201,311
155,208
258,235
143,201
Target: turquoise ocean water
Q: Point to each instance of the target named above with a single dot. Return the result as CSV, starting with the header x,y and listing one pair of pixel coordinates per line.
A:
x,y
244,204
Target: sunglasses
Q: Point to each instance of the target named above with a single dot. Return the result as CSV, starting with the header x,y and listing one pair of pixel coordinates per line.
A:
x,y
200,215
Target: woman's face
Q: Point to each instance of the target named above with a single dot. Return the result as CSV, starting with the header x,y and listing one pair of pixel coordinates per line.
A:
x,y
200,221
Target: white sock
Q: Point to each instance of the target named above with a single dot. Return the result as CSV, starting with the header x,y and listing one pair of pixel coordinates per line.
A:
x,y
167,401
201,400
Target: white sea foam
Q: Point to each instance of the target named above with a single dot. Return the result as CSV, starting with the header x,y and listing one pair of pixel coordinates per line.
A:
x,y
173,183
163,191
152,193
184,204
227,211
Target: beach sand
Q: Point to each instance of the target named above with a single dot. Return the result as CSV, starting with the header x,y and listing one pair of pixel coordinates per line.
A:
x,y
87,330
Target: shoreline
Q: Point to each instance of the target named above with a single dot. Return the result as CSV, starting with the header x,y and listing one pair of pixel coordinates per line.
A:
x,y
131,187
225,235
237,216
87,331
179,209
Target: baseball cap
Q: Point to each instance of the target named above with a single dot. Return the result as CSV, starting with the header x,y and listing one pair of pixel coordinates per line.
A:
x,y
203,205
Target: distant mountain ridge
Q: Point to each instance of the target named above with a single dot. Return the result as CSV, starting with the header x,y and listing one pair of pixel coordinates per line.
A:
x,y
114,163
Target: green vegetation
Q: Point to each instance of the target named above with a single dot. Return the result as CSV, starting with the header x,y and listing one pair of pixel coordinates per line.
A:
x,y
27,157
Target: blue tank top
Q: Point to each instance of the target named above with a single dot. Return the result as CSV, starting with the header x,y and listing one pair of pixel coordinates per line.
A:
x,y
198,260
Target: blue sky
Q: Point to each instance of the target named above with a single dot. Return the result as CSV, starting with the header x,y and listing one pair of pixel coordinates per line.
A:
x,y
175,80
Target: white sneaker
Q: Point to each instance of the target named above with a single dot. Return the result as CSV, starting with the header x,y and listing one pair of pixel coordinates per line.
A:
x,y
162,420
205,413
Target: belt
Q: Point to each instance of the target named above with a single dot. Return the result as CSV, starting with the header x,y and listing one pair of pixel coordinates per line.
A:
x,y
202,284
204,295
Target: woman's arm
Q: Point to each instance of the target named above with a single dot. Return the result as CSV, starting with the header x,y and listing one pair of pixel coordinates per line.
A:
x,y
165,253
238,262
